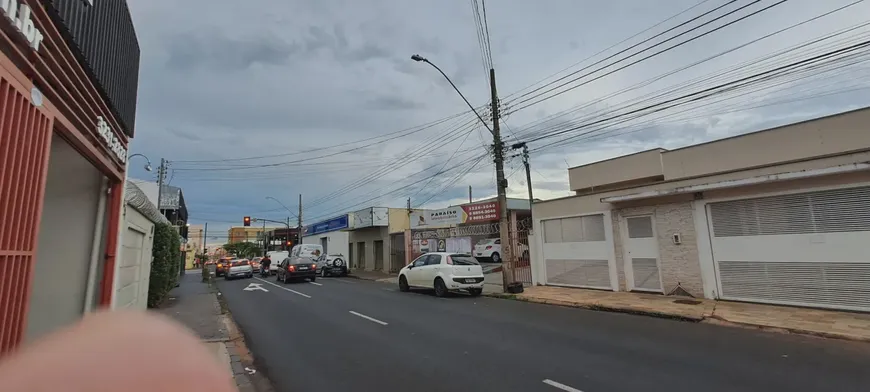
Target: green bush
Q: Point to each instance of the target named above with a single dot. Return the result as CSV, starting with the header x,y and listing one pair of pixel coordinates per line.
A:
x,y
165,263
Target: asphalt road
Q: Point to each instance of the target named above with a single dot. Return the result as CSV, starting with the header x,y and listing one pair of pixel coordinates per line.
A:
x,y
343,334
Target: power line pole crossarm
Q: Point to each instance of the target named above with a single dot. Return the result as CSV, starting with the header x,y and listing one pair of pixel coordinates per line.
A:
x,y
503,225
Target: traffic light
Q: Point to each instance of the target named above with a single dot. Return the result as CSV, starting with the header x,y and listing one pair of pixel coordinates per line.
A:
x,y
247,221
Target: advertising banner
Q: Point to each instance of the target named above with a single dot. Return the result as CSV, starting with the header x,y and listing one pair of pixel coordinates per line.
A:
x,y
457,215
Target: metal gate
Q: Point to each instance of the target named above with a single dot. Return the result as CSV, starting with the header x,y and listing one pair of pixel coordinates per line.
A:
x,y
25,135
520,268
397,252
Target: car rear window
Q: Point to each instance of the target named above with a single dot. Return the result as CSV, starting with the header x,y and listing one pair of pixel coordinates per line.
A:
x,y
463,260
237,263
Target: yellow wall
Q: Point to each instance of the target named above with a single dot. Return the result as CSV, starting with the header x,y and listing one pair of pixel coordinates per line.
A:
x,y
242,234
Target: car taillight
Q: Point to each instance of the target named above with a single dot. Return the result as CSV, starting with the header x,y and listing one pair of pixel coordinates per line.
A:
x,y
449,260
313,266
488,247
291,268
220,265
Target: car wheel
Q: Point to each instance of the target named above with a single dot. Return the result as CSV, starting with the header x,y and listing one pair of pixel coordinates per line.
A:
x,y
313,278
475,292
496,258
403,284
440,288
323,273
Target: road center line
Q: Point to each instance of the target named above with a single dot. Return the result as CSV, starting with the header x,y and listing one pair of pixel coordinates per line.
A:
x,y
315,283
374,320
283,288
561,386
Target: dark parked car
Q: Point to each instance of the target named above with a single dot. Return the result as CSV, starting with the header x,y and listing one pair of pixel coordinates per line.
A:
x,y
297,268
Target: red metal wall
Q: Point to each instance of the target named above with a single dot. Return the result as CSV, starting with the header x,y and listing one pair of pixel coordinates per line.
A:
x,y
25,134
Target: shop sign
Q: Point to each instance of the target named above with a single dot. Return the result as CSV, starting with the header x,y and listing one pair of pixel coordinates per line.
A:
x,y
473,213
333,224
20,17
370,217
110,139
483,212
435,218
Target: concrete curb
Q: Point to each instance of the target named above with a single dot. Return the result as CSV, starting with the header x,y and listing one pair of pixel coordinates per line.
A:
x,y
712,319
237,349
718,320
598,307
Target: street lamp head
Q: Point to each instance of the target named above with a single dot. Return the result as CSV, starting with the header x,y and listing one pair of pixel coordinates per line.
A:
x,y
148,167
417,57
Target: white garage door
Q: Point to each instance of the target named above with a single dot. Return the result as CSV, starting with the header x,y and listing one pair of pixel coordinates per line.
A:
x,y
808,249
576,252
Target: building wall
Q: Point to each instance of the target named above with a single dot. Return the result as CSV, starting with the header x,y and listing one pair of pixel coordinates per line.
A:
x,y
678,264
65,243
336,241
837,134
400,220
134,265
368,236
242,233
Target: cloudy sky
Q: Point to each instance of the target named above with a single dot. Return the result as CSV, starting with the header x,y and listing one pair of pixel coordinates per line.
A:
x,y
258,98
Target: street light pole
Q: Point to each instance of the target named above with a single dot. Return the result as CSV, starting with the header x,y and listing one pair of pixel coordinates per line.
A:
x,y
161,172
498,159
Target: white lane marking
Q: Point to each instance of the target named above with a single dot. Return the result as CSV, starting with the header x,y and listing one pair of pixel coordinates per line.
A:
x,y
374,320
561,386
343,280
255,287
284,288
315,283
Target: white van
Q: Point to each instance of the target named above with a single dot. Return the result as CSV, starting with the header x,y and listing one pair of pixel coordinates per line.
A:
x,y
277,257
312,251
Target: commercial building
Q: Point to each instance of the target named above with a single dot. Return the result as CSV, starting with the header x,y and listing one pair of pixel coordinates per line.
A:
x,y
332,234
282,238
68,83
238,234
377,239
458,228
780,216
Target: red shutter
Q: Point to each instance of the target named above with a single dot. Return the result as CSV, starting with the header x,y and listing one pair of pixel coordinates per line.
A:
x,y
25,134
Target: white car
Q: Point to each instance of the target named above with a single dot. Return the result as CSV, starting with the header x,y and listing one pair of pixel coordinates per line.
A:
x,y
490,248
239,268
277,256
443,272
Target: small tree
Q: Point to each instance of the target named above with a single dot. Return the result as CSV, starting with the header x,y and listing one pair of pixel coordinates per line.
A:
x,y
244,249
165,263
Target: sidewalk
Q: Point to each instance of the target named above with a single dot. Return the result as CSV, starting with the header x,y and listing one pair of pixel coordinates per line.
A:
x,y
195,304
824,323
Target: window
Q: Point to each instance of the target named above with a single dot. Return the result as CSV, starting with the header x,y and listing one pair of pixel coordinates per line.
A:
x,y
640,227
463,260
433,260
420,261
575,229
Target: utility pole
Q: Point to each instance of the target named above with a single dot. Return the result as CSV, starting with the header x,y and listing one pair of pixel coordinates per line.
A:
x,y
503,225
263,238
205,240
299,226
161,173
525,156
469,194
409,206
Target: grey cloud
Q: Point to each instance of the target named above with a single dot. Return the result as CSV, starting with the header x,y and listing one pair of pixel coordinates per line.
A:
x,y
392,102
216,51
187,135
